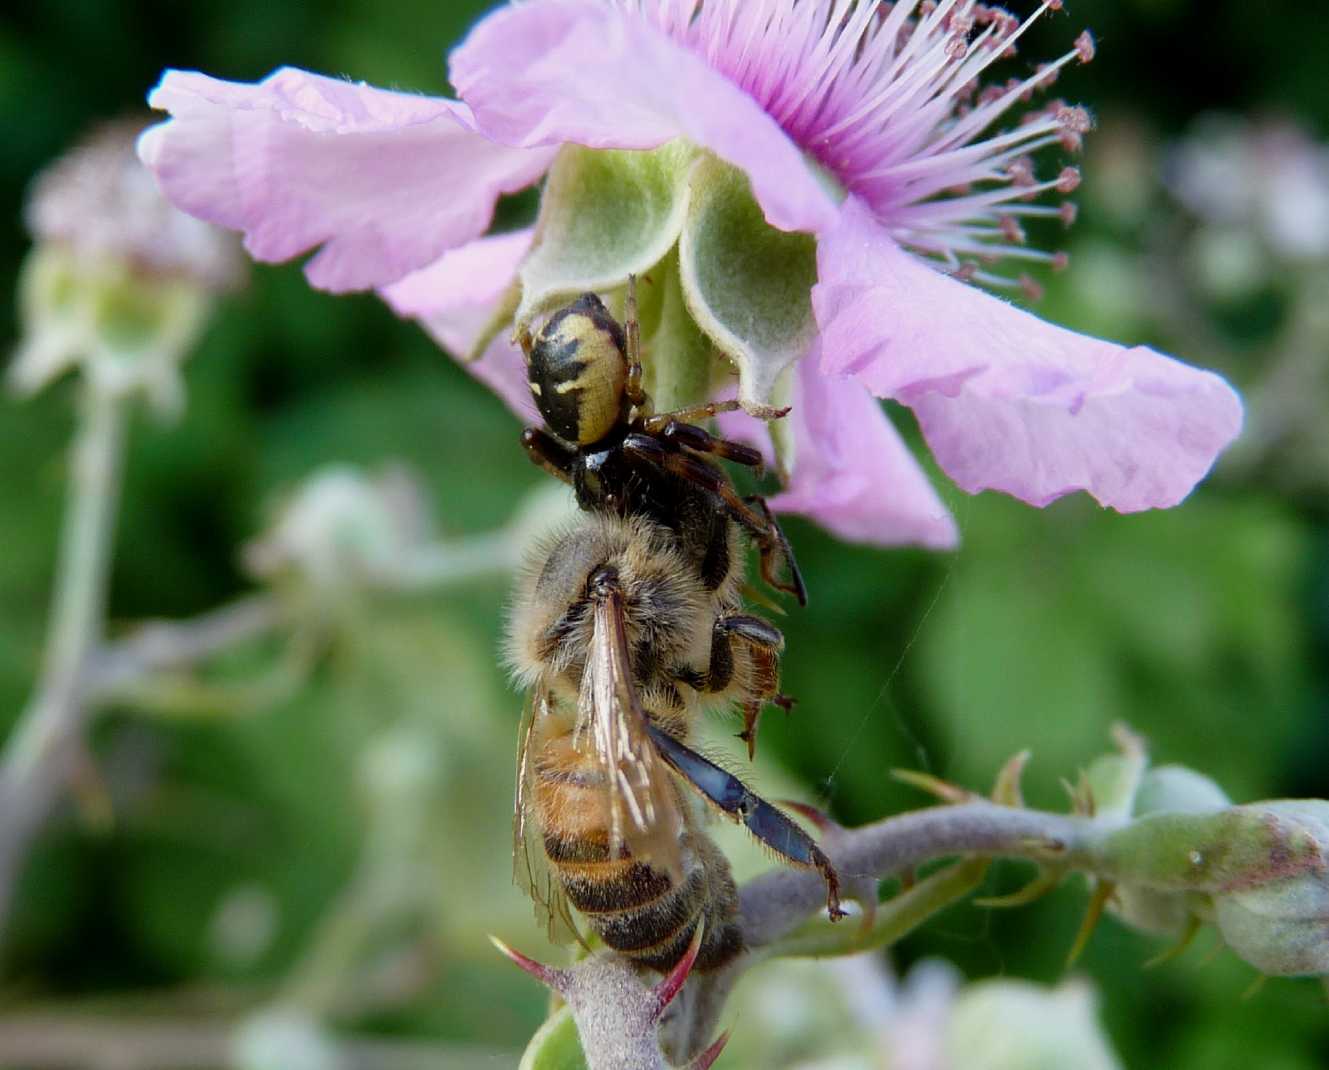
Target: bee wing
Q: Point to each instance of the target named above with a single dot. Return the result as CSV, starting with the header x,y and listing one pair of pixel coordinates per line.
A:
x,y
530,866
644,807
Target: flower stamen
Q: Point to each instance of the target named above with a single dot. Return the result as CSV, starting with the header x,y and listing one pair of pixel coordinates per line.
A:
x,y
889,98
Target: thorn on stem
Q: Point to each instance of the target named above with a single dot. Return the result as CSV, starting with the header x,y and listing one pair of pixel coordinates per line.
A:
x,y
1183,942
676,978
549,976
819,819
1097,902
933,785
708,1057
1130,743
1006,790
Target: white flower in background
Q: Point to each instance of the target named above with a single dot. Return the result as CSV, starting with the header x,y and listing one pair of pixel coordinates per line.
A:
x,y
1268,177
858,1016
343,529
1017,1025
119,282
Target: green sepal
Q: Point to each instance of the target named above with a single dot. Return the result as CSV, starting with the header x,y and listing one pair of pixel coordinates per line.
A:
x,y
500,320
605,214
681,365
555,1045
748,285
1113,780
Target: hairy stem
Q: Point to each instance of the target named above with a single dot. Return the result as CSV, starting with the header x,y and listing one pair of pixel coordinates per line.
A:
x,y
161,646
45,747
776,903
612,1003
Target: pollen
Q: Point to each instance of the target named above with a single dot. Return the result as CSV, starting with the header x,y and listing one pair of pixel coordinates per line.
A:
x,y
1085,48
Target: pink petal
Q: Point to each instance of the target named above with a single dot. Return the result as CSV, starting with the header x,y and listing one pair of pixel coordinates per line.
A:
x,y
852,472
1005,400
383,181
454,299
593,74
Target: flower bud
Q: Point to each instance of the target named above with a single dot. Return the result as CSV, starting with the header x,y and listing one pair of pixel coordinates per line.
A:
x,y
1281,926
1179,790
1167,789
343,529
119,281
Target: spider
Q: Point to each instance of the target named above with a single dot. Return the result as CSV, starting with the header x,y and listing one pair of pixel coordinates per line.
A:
x,y
602,437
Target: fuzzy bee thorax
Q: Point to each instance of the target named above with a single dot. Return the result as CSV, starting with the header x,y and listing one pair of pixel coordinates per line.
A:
x,y
668,615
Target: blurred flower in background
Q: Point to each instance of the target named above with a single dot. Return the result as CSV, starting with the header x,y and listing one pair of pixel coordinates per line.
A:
x,y
1267,178
854,1014
119,281
1250,281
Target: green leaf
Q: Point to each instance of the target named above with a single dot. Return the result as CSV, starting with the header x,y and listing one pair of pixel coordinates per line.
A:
x,y
748,285
605,215
555,1045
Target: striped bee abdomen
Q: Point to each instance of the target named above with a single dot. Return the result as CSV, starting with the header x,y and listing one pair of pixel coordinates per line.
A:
x,y
635,908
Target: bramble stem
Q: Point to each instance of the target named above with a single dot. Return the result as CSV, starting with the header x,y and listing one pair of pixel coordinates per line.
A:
x,y
44,749
605,989
775,903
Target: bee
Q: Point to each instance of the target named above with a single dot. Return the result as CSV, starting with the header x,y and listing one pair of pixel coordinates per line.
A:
x,y
624,626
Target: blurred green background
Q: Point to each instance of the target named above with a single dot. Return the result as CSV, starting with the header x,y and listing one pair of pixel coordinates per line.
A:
x,y
245,845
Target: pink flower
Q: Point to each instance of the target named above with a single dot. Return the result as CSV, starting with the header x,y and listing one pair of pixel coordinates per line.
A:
x,y
875,127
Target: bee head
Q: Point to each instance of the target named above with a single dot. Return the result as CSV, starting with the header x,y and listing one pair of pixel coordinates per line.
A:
x,y
577,369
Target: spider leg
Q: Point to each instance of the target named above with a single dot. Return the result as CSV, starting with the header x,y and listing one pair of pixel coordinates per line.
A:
x,y
656,423
759,523
632,389
548,453
699,441
777,551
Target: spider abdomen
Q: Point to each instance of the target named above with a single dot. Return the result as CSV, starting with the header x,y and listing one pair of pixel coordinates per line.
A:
x,y
577,370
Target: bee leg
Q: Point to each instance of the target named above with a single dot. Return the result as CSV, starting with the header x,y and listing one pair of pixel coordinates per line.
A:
x,y
548,453
771,826
764,644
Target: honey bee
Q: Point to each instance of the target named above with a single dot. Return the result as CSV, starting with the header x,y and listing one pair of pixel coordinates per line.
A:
x,y
624,627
